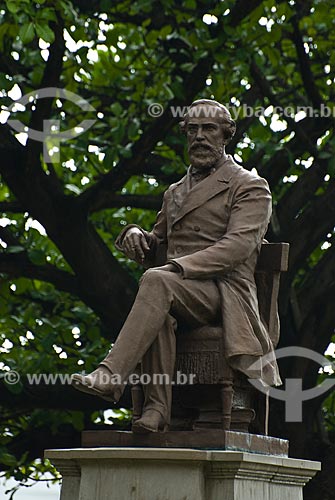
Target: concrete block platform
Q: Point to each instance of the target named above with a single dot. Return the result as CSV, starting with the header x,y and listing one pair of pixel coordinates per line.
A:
x,y
106,473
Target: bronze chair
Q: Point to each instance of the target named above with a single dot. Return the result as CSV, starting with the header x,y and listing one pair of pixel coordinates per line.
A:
x,y
225,398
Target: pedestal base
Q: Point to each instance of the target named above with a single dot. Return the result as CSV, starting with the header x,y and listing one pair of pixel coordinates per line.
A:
x,y
213,439
178,474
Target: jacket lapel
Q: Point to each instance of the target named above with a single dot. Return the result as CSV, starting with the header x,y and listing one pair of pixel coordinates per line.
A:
x,y
204,190
180,190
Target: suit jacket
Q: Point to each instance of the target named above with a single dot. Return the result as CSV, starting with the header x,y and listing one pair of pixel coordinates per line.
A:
x,y
214,231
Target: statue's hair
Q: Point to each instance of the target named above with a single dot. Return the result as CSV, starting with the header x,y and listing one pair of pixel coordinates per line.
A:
x,y
228,124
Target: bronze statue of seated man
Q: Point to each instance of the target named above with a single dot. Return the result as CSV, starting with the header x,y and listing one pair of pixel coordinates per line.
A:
x,y
211,225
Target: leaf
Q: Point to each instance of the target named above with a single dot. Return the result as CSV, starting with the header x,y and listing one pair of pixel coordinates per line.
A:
x,y
48,341
324,155
81,312
331,167
45,32
22,285
73,188
15,249
7,458
94,333
106,5
15,388
13,6
27,32
46,14
36,256
116,108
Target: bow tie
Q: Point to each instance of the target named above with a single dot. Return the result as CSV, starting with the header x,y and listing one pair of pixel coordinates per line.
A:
x,y
201,173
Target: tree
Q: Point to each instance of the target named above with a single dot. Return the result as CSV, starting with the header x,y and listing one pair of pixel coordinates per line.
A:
x,y
65,290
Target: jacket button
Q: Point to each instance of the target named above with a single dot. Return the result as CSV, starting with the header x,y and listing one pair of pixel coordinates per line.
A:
x,y
179,249
196,228
177,226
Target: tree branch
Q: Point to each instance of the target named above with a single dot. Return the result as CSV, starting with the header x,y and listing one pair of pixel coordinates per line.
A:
x,y
305,66
114,180
193,83
241,10
320,319
152,166
265,88
307,132
8,141
7,236
276,167
159,18
306,231
300,193
324,275
11,67
55,396
11,206
60,397
17,264
148,202
100,276
51,78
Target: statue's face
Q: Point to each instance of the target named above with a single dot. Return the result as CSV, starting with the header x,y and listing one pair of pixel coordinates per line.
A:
x,y
205,137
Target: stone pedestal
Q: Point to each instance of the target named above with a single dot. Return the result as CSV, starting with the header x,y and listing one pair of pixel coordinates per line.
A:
x,y
178,474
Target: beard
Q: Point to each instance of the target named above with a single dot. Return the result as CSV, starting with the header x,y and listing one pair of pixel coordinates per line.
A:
x,y
203,156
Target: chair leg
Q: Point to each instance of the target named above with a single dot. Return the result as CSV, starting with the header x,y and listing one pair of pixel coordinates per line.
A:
x,y
227,394
137,397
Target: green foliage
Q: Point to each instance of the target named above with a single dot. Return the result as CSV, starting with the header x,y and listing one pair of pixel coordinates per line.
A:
x,y
122,57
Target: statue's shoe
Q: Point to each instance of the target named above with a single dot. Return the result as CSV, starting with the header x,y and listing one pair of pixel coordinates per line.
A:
x,y
151,421
98,383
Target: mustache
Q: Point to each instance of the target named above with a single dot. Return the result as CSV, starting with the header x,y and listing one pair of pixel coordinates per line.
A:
x,y
201,147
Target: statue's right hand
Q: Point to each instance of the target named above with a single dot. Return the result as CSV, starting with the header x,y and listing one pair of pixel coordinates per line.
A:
x,y
135,245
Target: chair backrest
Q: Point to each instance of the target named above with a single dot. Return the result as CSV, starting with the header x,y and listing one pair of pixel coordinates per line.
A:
x,y
272,260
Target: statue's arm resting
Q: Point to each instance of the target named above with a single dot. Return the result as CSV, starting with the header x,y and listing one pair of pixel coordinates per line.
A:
x,y
156,240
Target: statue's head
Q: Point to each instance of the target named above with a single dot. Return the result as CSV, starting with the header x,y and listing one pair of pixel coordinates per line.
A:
x,y
209,128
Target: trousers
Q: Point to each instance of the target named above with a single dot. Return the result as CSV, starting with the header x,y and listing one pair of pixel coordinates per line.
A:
x,y
164,302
